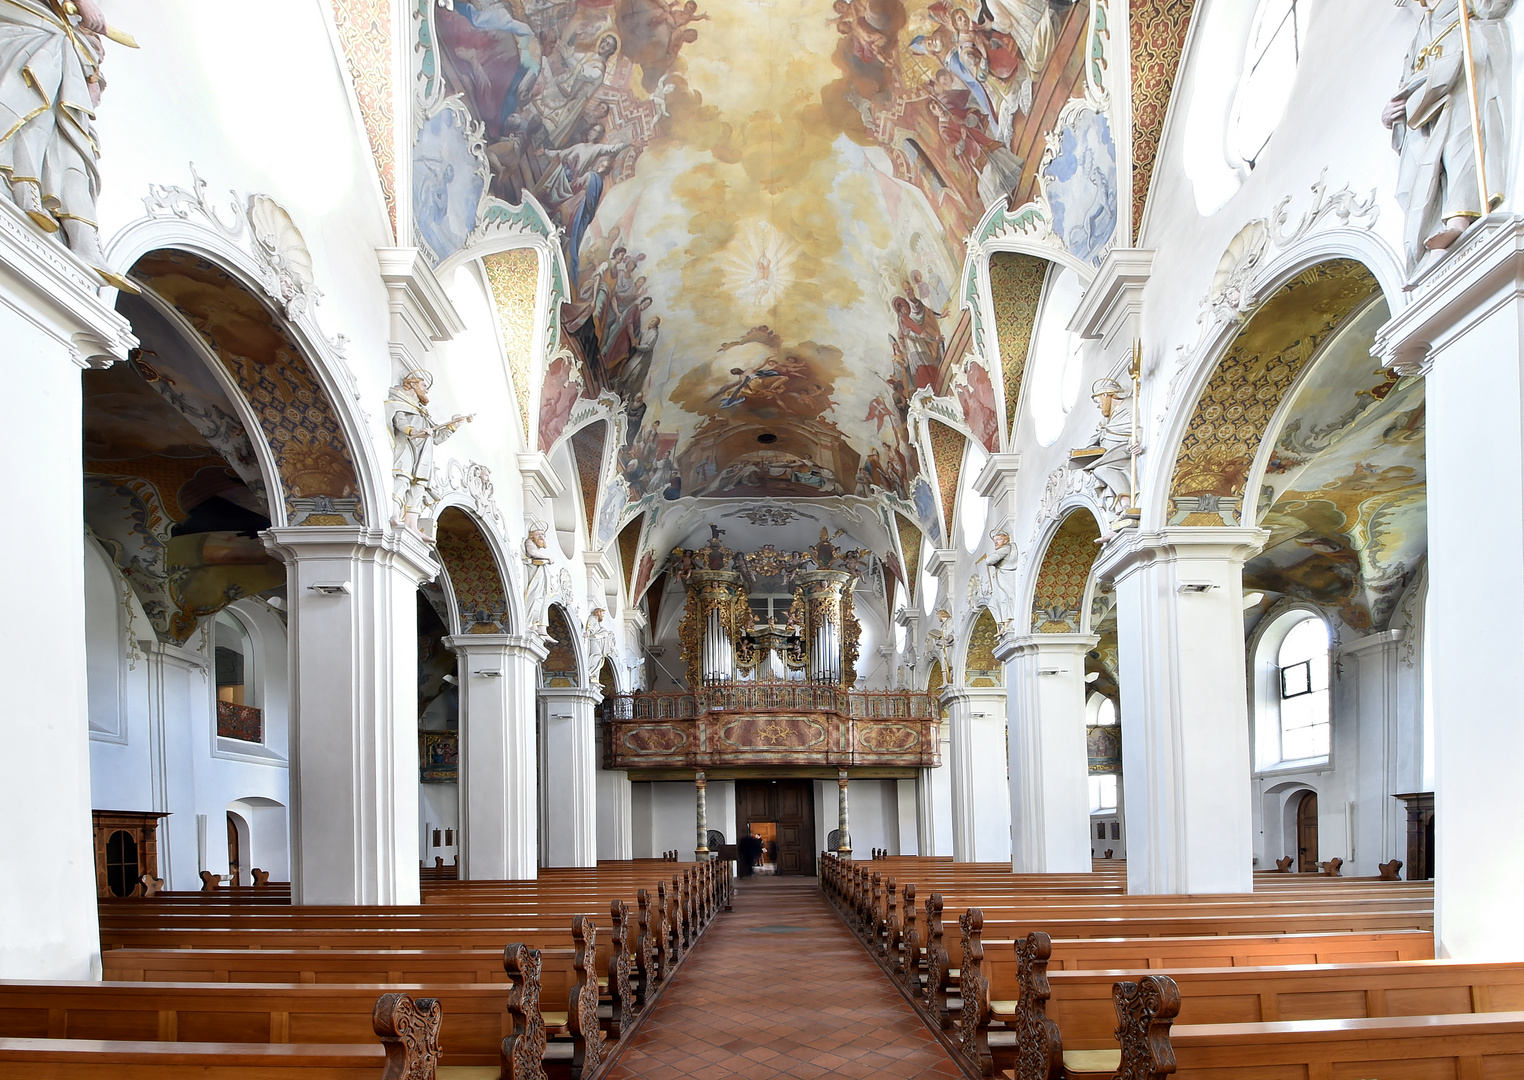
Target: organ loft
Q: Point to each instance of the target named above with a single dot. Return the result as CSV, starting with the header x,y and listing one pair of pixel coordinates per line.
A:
x,y
596,539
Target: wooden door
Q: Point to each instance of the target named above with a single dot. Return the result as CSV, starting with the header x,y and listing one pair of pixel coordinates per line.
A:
x,y
790,806
235,863
1307,834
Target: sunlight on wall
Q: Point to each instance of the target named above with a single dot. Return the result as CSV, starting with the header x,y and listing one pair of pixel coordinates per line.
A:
x,y
1056,358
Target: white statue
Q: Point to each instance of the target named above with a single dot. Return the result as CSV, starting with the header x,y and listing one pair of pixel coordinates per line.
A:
x,y
1431,121
1000,573
1108,456
50,85
537,577
414,436
601,642
940,638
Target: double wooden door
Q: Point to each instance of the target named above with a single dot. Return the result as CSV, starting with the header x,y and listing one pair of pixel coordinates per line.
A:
x,y
790,806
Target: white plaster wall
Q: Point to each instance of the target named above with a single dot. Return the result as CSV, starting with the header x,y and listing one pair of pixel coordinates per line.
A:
x,y
671,808
438,808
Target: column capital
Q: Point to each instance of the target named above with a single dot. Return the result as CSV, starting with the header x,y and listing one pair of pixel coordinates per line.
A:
x,y
571,695
1384,639
968,696
530,647
1010,646
1132,549
401,549
1113,303
421,310
998,475
52,288
1483,272
540,480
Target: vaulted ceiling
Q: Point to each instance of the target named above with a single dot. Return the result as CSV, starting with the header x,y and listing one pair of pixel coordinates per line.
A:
x,y
765,209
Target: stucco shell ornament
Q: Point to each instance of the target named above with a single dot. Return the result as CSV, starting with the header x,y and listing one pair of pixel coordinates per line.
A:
x,y
280,245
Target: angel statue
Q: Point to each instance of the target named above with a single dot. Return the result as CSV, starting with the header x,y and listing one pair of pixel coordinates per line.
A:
x,y
414,436
50,86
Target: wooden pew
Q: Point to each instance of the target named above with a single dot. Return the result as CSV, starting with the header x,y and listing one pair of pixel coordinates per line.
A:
x,y
408,1030
1480,1045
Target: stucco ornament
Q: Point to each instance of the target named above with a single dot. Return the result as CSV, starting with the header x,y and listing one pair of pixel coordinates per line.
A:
x,y
1432,121
537,559
50,85
414,435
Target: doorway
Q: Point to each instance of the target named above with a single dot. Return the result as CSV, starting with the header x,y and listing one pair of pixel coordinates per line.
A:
x,y
1307,834
235,858
786,809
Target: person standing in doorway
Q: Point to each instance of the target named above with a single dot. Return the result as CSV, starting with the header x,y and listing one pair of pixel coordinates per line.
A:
x,y
750,850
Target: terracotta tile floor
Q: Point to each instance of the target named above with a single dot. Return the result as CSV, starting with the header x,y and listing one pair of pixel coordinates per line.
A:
x,y
779,987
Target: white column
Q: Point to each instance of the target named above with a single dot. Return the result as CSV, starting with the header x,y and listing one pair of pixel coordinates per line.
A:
x,y
1049,762
615,815
352,595
178,704
905,814
1185,727
54,325
499,836
570,745
933,801
1369,666
981,795
1464,330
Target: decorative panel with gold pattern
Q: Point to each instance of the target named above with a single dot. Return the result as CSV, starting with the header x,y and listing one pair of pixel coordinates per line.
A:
x,y
1016,282
1253,376
474,574
587,453
297,418
365,32
910,548
512,277
1064,573
981,668
947,451
559,668
1157,29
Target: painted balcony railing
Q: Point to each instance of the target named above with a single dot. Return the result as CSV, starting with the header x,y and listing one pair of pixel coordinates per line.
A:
x,y
795,724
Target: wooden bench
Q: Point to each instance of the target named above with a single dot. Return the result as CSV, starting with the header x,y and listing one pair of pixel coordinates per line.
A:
x,y
1480,1046
408,1030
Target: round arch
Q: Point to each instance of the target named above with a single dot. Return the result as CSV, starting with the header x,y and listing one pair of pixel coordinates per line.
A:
x,y
565,663
1059,582
476,584
183,222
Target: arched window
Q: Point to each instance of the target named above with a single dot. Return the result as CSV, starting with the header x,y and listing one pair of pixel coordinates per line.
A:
x,y
238,700
1103,793
1270,62
1057,356
1301,691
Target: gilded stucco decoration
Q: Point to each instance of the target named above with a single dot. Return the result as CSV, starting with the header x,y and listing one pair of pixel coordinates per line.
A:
x,y
910,547
1016,282
296,417
1157,29
587,453
512,277
629,548
365,32
980,667
474,574
1344,493
947,451
559,668
1065,571
1247,387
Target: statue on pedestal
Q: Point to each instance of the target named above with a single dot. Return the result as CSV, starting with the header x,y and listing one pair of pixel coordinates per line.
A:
x,y
1108,458
414,435
1000,573
601,642
1433,116
50,85
536,578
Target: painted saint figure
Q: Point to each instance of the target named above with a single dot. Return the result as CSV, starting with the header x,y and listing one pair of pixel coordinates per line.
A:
x,y
414,436
50,84
1431,122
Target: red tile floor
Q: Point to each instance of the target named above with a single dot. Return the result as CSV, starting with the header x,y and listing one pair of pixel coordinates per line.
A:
x,y
779,987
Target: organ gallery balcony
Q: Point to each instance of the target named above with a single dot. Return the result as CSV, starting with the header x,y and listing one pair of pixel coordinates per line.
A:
x,y
802,724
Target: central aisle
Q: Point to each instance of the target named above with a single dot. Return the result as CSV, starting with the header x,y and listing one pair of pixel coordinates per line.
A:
x,y
779,987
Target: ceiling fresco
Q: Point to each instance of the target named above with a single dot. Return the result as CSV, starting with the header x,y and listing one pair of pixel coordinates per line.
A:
x,y
763,210
173,492
1344,493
